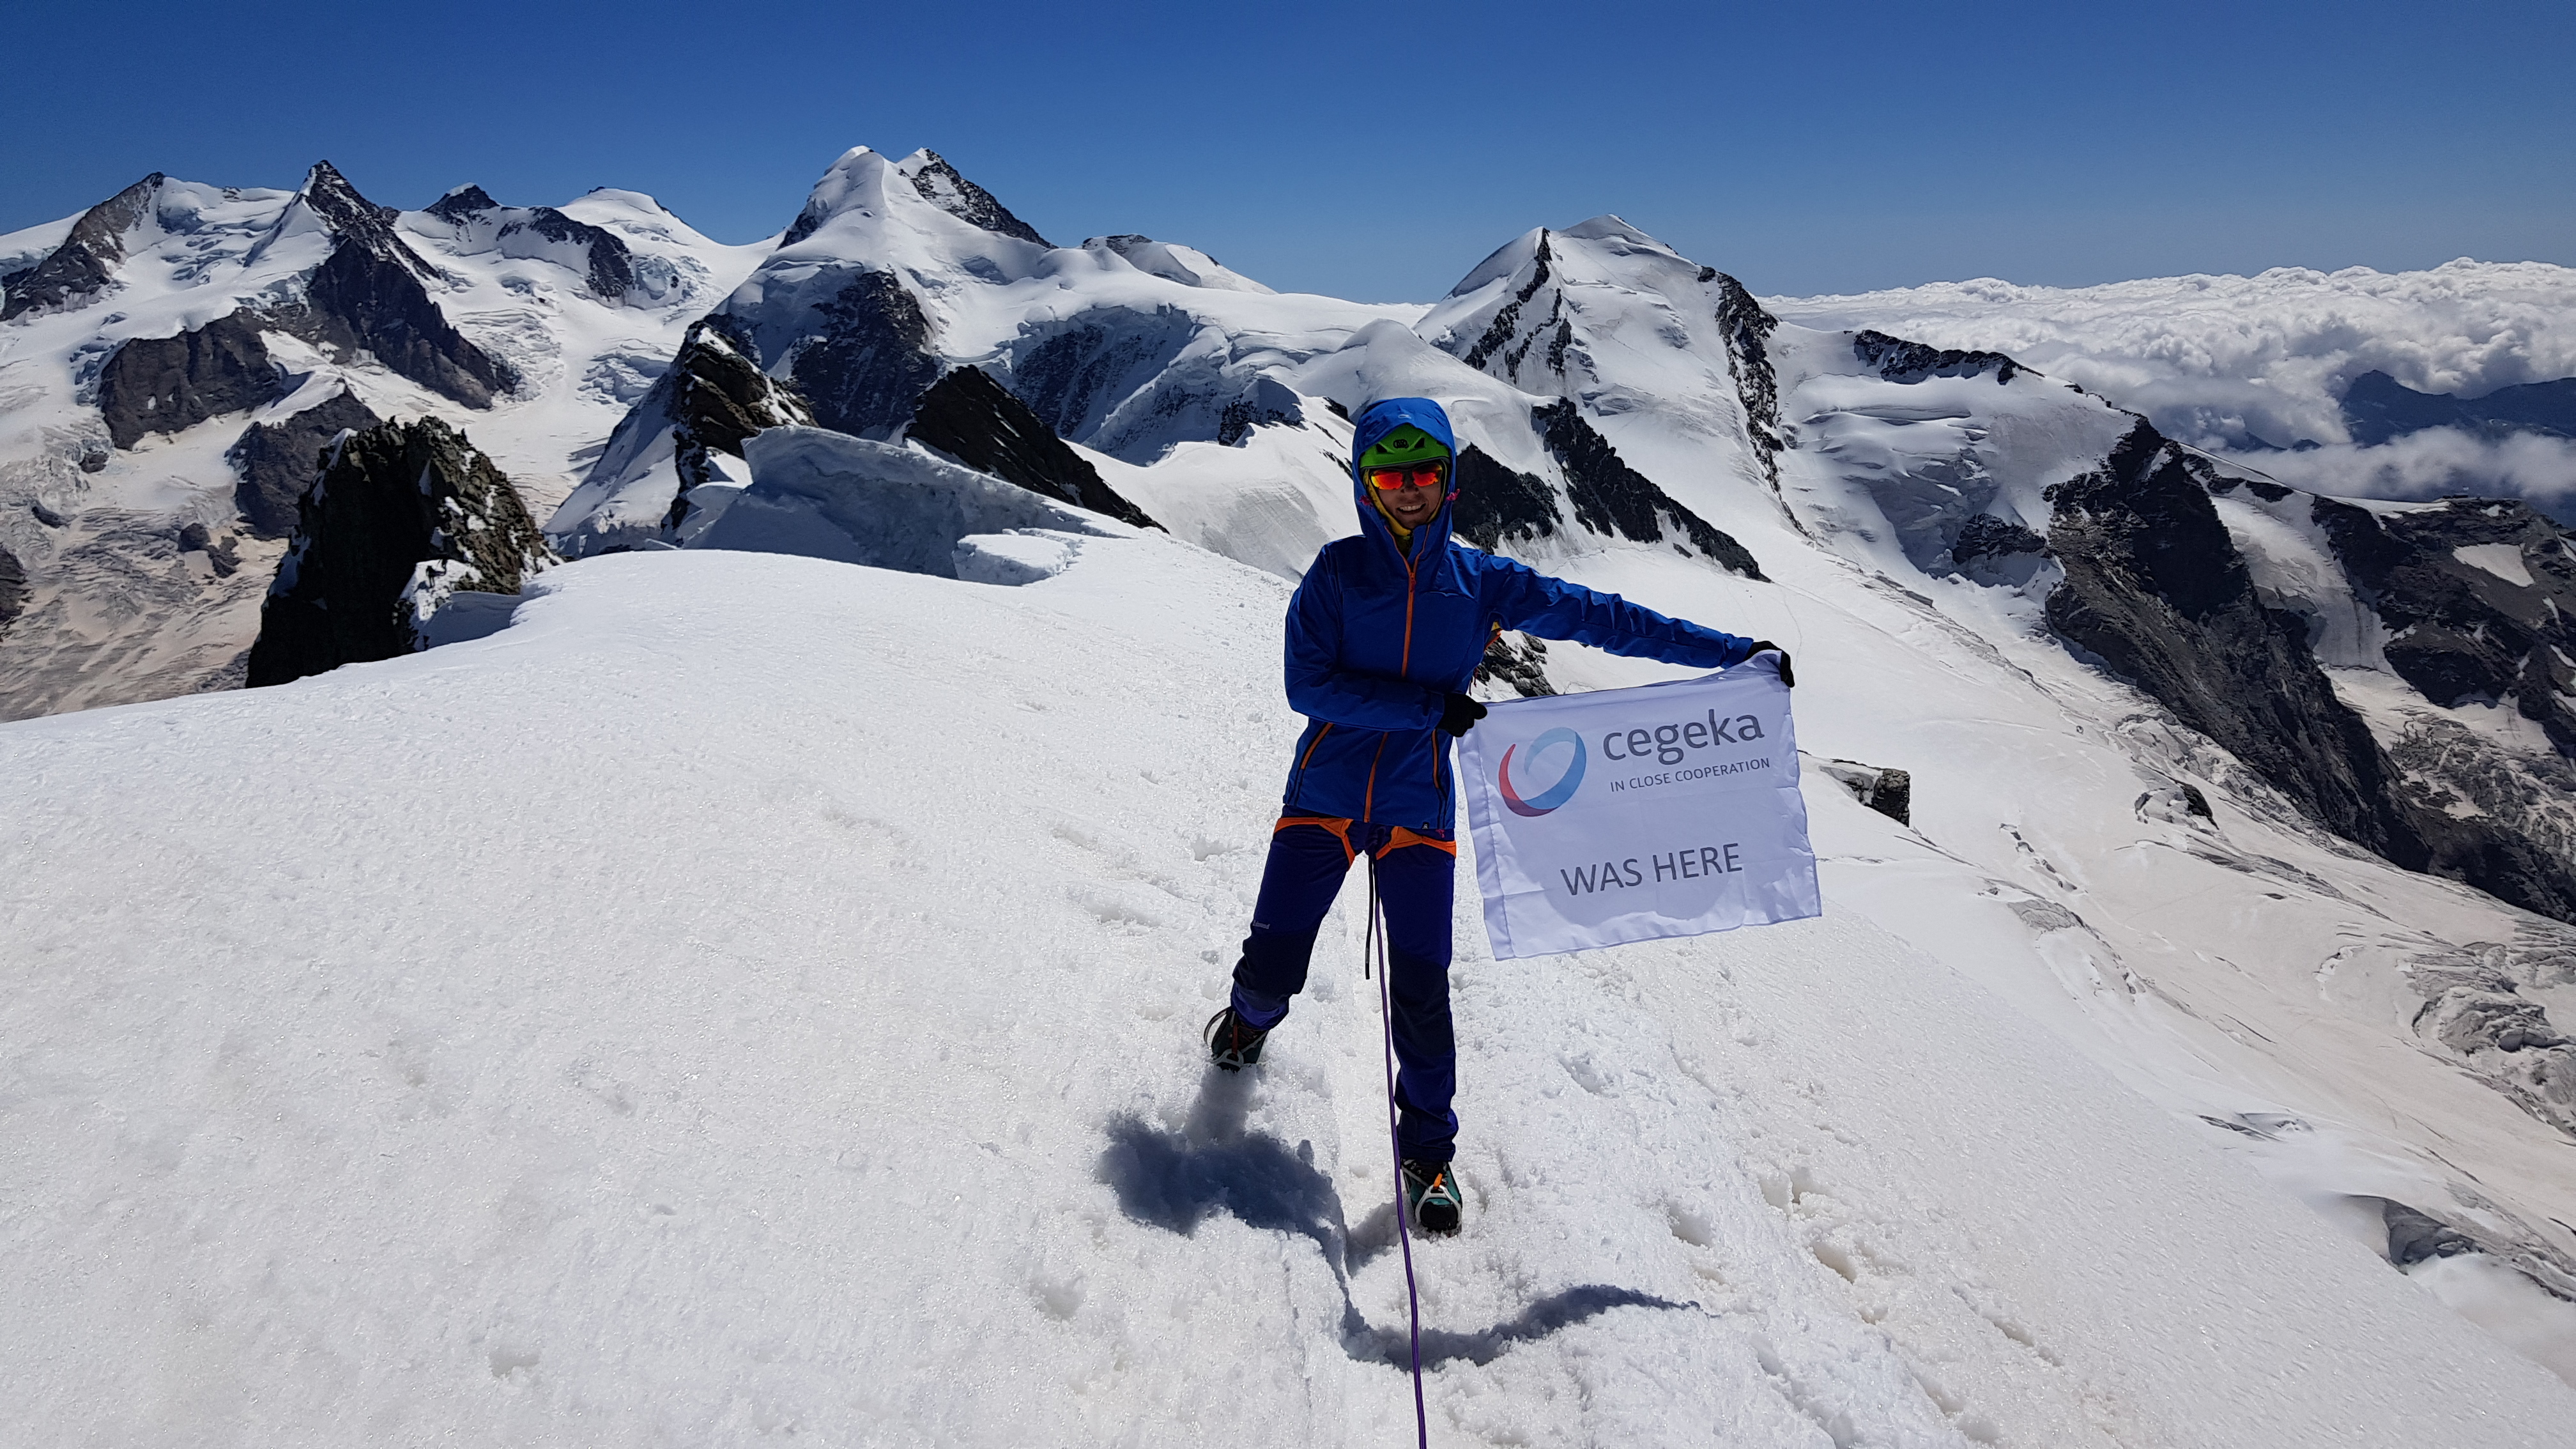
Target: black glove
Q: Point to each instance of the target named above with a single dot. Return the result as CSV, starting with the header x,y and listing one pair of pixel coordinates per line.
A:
x,y
1787,676
1459,715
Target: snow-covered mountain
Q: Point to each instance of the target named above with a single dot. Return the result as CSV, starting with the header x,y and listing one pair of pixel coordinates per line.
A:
x,y
2251,801
174,358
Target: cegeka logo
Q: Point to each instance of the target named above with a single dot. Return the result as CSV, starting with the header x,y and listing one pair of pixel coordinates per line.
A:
x,y
1552,796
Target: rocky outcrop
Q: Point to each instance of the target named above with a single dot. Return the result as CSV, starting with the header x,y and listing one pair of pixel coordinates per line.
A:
x,y
1747,329
1882,788
1521,665
365,297
609,268
1498,505
975,420
13,590
167,384
276,462
2377,408
871,361
1609,497
2478,596
1898,360
1504,337
85,264
2155,588
940,184
404,516
364,300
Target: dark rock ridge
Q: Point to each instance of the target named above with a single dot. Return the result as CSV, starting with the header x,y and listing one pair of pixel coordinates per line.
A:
x,y
871,361
1747,329
2377,408
1610,497
2155,588
13,590
1986,535
168,384
85,264
975,420
940,184
715,398
1898,360
610,273
1504,336
1498,505
405,515
2461,633
276,462
367,296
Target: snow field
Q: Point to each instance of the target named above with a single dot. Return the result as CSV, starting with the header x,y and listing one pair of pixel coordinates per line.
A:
x,y
755,995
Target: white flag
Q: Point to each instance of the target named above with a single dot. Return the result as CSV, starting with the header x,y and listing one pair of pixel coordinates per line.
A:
x,y
1635,814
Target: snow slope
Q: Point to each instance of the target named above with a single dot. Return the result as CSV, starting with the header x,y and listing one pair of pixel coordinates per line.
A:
x,y
792,1030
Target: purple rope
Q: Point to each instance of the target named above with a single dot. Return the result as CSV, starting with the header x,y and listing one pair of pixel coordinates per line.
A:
x,y
1404,1234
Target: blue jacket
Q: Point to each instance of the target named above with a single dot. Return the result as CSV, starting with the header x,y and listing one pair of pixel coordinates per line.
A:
x,y
1377,639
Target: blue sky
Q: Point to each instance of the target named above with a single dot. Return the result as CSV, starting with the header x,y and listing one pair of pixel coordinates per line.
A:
x,y
1378,151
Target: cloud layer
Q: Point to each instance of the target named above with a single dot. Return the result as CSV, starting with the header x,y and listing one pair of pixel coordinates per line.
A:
x,y
2220,361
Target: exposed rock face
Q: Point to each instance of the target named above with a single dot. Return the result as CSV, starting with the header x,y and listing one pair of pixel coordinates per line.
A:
x,y
363,298
863,375
1523,666
1612,498
976,421
717,400
85,264
277,462
1497,505
1898,360
1499,338
1882,788
405,515
2155,587
1747,329
1986,535
13,590
2377,407
941,186
366,296
166,384
611,269
2479,597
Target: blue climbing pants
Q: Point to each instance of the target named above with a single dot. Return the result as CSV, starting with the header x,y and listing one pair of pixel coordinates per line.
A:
x,y
1416,880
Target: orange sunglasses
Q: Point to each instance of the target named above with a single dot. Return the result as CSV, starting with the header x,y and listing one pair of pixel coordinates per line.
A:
x,y
1409,475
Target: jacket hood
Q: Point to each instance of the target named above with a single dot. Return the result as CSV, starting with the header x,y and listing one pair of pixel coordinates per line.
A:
x,y
1376,421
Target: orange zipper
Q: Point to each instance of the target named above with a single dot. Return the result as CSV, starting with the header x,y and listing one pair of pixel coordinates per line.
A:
x,y
1404,666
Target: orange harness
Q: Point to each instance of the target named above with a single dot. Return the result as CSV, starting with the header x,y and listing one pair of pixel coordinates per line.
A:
x,y
1341,829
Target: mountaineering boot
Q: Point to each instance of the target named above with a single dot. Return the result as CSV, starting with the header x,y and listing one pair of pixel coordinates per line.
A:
x,y
1231,1042
1431,1193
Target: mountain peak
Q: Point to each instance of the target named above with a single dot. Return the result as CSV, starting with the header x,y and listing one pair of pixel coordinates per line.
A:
x,y
461,202
86,261
942,186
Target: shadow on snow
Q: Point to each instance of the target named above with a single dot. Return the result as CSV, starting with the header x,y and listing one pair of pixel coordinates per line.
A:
x,y
1177,1180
